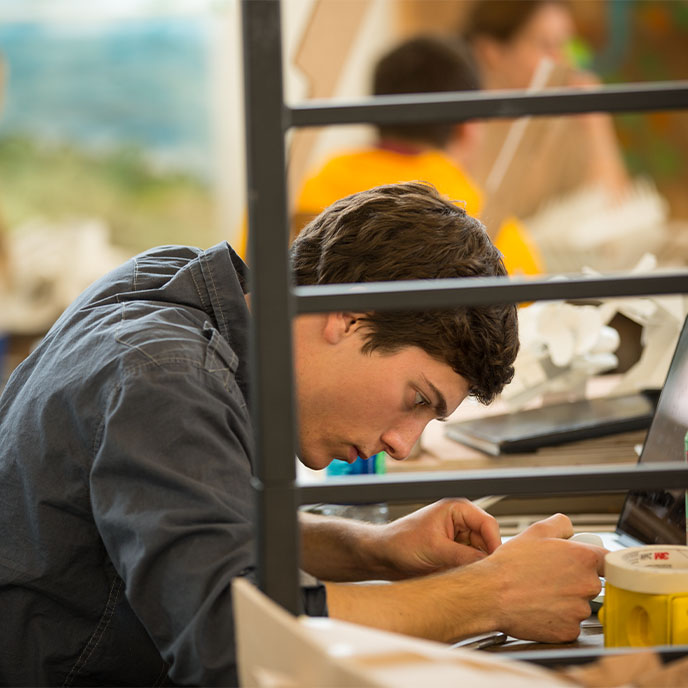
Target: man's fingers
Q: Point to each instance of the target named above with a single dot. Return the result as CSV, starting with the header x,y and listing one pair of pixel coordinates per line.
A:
x,y
489,537
557,526
482,527
467,554
600,553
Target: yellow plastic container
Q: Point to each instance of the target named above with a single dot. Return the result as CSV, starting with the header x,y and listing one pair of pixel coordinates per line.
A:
x,y
646,596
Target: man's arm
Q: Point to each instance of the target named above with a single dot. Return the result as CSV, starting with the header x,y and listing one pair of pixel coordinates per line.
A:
x,y
535,587
446,534
171,496
436,607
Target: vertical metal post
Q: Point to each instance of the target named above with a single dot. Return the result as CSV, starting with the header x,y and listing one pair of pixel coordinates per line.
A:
x,y
273,407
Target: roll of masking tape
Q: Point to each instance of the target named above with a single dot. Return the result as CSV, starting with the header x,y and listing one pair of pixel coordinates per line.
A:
x,y
646,596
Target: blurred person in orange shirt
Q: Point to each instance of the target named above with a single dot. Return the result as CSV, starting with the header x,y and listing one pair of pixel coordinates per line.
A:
x,y
435,153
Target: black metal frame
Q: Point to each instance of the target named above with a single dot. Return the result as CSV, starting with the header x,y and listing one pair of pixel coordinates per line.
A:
x,y
511,481
479,291
275,301
455,107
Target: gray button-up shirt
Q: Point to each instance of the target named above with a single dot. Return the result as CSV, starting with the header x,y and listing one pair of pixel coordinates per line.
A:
x,y
125,466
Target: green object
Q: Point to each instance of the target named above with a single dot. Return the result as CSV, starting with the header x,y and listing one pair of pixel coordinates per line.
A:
x,y
578,53
381,461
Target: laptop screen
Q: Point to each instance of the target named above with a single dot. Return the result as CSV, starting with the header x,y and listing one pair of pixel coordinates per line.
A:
x,y
659,516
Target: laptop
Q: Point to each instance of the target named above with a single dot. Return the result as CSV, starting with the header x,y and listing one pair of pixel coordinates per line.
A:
x,y
659,516
554,424
650,517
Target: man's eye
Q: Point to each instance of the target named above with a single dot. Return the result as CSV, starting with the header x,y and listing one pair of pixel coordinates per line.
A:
x,y
420,400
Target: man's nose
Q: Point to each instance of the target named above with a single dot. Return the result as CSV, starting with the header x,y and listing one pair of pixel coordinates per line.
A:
x,y
400,438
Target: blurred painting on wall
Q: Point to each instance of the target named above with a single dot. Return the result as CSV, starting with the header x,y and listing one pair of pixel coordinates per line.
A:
x,y
109,114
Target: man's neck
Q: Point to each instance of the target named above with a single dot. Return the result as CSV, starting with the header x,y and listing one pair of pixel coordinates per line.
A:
x,y
404,147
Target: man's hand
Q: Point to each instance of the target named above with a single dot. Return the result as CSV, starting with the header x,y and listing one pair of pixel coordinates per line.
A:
x,y
443,535
535,587
546,581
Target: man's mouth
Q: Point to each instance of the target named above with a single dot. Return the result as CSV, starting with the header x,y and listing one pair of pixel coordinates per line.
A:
x,y
355,453
360,453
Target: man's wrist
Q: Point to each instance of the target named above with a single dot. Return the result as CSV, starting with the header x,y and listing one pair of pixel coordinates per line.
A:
x,y
444,607
491,588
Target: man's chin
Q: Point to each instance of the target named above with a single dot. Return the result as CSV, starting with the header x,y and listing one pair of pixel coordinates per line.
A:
x,y
315,463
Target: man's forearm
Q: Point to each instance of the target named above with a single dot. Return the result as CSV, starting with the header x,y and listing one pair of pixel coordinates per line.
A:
x,y
443,607
537,586
439,536
338,549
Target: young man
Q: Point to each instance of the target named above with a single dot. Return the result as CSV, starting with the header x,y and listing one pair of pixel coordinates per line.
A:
x,y
126,460
437,153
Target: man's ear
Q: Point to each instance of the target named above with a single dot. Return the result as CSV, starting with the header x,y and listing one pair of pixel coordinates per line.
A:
x,y
340,325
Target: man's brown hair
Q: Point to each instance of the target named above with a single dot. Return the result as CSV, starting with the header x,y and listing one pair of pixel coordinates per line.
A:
x,y
409,231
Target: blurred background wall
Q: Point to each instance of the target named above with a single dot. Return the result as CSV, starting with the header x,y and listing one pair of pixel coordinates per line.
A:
x,y
122,120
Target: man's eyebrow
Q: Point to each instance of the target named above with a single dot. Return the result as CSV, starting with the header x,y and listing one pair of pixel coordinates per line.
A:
x,y
441,403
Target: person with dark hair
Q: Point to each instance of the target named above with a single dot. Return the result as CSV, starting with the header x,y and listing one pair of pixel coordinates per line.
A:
x,y
479,344
127,458
511,40
433,152
424,64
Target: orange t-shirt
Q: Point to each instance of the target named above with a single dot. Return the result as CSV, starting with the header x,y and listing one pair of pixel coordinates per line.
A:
x,y
349,173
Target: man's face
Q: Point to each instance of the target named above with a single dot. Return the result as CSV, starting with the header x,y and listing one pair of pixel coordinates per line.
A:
x,y
354,404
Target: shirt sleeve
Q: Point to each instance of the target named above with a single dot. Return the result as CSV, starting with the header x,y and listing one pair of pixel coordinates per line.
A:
x,y
314,595
171,497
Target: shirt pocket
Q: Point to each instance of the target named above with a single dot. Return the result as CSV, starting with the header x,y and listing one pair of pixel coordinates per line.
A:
x,y
221,360
219,355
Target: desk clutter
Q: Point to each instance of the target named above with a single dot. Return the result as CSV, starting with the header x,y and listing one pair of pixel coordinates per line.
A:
x,y
552,424
314,651
564,345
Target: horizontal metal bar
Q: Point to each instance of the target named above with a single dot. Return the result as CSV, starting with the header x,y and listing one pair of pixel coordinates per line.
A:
x,y
585,655
459,106
474,291
512,481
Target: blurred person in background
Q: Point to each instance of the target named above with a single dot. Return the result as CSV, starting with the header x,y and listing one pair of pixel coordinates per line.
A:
x,y
511,40
520,44
437,153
